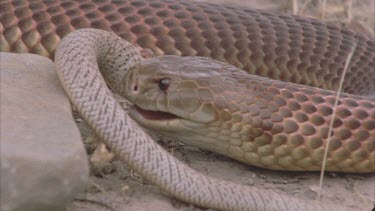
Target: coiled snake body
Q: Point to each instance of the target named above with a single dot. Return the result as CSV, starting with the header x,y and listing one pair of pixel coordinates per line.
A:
x,y
260,121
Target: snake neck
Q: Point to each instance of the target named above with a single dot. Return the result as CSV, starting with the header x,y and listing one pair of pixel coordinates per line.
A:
x,y
113,55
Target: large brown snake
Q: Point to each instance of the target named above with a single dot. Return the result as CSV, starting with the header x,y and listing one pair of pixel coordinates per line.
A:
x,y
288,122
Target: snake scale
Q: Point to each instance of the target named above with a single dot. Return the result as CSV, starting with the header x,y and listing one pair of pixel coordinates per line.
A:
x,y
274,125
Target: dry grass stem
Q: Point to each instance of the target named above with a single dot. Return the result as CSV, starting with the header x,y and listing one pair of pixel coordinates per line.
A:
x,y
92,201
295,7
323,11
349,12
303,8
97,186
347,62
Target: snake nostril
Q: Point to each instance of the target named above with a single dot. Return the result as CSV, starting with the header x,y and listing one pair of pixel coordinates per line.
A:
x,y
135,87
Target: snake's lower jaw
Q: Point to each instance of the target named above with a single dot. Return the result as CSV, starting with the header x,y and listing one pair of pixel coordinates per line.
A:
x,y
160,121
154,120
155,115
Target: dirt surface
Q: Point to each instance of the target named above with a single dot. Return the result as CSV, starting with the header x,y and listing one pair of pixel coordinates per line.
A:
x,y
115,187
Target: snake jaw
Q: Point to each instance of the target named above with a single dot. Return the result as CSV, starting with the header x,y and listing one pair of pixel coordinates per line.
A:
x,y
155,115
162,121
153,119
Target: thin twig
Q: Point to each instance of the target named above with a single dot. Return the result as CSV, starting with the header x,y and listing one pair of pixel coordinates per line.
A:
x,y
303,8
92,201
97,185
350,11
295,7
322,13
347,62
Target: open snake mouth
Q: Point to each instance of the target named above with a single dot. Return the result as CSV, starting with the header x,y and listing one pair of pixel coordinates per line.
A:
x,y
155,115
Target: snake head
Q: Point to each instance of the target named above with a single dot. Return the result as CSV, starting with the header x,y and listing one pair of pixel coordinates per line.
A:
x,y
180,94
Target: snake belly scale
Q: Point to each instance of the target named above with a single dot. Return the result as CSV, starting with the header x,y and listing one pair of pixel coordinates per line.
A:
x,y
281,47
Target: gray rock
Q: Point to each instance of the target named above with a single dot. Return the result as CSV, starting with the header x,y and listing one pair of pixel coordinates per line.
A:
x,y
43,161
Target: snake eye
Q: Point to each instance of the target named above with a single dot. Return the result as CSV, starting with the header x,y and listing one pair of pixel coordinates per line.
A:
x,y
164,83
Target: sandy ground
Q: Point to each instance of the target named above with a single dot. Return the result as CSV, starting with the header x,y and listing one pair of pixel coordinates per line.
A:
x,y
115,187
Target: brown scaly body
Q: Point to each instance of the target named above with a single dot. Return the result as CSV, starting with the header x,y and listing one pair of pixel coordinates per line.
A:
x,y
256,120
282,47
